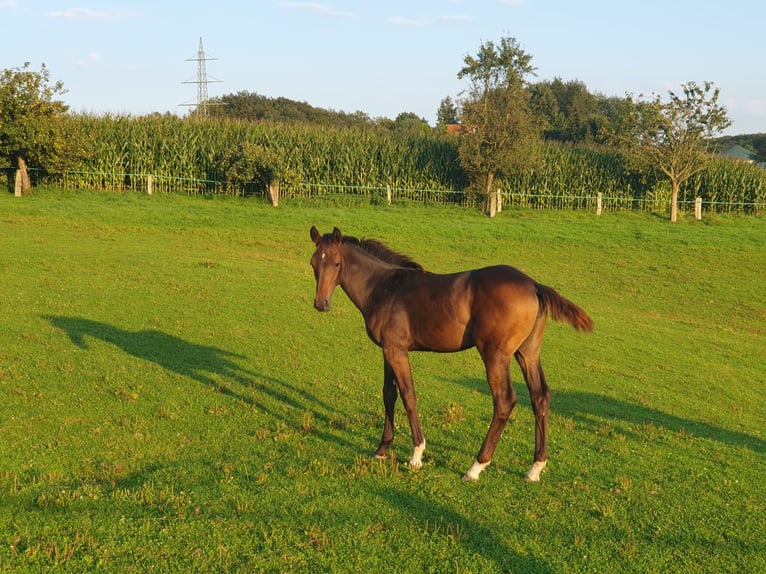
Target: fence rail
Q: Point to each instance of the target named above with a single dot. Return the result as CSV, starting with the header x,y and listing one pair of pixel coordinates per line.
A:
x,y
382,194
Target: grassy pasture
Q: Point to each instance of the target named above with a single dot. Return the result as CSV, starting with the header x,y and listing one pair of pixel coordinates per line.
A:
x,y
171,402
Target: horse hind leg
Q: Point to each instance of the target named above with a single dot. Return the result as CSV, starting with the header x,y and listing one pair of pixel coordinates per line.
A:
x,y
503,400
528,357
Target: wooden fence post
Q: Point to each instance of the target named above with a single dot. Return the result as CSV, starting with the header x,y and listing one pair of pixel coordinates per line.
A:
x,y
22,184
149,181
599,202
273,189
388,194
17,184
698,209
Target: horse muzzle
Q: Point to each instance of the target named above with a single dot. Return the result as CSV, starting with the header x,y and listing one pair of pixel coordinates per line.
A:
x,y
322,304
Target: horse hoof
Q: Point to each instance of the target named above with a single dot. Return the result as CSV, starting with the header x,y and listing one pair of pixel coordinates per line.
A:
x,y
534,473
377,456
416,461
475,470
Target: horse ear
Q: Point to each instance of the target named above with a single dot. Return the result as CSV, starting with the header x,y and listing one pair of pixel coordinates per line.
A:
x,y
315,235
337,235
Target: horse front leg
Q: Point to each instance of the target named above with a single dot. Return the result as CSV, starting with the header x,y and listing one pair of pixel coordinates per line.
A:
x,y
400,367
390,394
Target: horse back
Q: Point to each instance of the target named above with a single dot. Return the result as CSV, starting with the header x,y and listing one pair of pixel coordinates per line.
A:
x,y
504,295
445,312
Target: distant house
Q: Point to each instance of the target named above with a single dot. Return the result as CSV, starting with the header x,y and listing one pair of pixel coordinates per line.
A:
x,y
459,129
739,153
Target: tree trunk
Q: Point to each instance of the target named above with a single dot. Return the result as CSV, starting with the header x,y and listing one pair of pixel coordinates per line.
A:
x,y
674,200
23,183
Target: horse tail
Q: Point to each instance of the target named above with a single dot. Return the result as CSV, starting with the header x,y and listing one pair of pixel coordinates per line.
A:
x,y
562,309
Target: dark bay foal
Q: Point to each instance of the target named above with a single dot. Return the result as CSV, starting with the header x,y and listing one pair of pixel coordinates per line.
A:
x,y
499,310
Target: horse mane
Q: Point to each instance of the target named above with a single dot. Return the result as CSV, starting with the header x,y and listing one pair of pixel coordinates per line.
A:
x,y
381,251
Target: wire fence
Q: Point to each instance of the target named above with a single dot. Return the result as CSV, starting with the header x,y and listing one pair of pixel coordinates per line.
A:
x,y
350,195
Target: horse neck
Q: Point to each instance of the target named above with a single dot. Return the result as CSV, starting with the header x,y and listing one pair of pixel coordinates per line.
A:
x,y
361,274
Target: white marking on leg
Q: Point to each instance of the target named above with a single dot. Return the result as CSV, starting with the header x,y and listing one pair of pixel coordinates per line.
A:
x,y
474,472
534,473
417,456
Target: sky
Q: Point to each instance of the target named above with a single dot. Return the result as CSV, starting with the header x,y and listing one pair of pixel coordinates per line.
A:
x,y
382,58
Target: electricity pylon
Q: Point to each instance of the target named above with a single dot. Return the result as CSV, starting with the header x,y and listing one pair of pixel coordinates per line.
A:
x,y
202,81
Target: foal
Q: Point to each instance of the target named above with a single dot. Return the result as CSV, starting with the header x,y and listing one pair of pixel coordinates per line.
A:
x,y
499,310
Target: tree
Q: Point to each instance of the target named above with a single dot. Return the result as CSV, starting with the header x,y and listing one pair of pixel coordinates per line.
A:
x,y
251,106
250,164
31,129
545,107
569,111
447,113
673,137
409,124
611,111
499,129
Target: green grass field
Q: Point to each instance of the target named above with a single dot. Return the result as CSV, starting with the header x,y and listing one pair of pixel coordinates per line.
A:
x,y
171,402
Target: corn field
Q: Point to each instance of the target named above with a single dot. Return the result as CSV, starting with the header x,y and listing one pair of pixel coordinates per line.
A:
x,y
572,178
371,165
198,157
728,186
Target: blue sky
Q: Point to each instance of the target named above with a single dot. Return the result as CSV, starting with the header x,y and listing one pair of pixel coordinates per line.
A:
x,y
381,57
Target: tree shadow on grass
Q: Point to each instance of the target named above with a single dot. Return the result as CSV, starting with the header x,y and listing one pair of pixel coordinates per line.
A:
x,y
593,409
207,365
436,518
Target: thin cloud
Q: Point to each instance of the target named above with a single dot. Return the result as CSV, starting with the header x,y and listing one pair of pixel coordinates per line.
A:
x,y
87,14
449,19
8,4
454,18
315,8
404,21
90,61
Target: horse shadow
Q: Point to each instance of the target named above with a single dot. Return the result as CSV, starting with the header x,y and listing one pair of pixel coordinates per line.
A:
x,y
592,409
209,366
584,408
437,518
202,363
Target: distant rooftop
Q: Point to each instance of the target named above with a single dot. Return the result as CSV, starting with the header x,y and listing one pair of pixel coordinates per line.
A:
x,y
739,153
